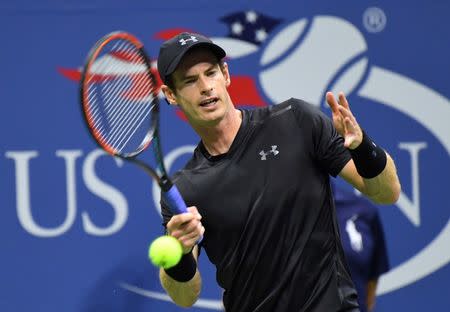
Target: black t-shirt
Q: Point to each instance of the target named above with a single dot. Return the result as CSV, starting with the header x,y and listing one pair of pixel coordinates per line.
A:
x,y
268,212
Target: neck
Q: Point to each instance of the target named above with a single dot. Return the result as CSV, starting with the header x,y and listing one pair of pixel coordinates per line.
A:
x,y
218,139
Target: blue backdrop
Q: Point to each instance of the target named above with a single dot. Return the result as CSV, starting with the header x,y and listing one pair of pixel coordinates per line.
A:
x,y
75,224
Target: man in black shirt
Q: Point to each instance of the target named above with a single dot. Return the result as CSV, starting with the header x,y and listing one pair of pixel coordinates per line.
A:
x,y
258,190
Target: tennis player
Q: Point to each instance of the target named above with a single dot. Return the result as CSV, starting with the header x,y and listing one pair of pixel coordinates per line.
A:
x,y
258,190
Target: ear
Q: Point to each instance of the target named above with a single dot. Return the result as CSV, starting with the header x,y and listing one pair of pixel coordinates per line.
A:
x,y
168,93
226,74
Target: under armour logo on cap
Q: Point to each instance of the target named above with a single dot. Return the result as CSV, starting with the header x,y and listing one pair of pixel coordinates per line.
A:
x,y
183,41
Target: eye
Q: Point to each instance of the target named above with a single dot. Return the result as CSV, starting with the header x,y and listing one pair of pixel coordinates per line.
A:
x,y
211,72
189,81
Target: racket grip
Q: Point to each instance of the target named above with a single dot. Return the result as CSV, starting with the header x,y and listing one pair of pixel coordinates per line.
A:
x,y
173,198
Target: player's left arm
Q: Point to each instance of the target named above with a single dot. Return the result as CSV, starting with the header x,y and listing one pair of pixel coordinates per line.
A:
x,y
382,189
374,176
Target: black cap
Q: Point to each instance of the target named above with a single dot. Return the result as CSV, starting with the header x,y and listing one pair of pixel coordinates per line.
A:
x,y
173,50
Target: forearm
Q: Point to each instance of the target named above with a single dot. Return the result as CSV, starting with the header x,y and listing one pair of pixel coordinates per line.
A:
x,y
183,282
384,188
184,294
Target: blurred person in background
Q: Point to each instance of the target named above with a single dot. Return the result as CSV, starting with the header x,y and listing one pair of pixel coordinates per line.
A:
x,y
363,241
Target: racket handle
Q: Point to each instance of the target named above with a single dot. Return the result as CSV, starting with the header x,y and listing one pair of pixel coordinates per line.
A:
x,y
173,198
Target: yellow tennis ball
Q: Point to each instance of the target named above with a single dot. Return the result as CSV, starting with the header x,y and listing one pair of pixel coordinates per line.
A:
x,y
165,251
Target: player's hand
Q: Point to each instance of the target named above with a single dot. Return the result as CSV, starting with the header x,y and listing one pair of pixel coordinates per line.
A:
x,y
187,228
344,121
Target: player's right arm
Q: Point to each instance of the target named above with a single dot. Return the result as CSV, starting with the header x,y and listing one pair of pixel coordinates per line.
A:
x,y
183,282
184,294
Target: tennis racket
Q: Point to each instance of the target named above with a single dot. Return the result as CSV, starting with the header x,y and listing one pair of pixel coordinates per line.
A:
x,y
119,101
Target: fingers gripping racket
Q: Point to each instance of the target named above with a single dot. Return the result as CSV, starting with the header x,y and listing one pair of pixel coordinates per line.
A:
x,y
119,101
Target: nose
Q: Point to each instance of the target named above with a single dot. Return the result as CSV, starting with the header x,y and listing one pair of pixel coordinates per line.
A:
x,y
205,85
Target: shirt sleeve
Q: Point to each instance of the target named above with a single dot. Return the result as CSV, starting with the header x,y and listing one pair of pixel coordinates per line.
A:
x,y
328,145
165,213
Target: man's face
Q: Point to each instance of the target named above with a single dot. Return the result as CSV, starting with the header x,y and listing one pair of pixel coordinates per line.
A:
x,y
201,88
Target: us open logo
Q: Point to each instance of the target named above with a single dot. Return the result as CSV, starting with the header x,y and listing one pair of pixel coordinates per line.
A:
x,y
298,54
295,62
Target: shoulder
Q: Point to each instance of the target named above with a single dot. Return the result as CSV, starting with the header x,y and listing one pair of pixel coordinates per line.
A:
x,y
196,161
305,112
294,106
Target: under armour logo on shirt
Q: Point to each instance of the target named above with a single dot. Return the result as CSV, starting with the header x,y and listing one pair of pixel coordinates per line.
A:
x,y
273,151
355,237
183,41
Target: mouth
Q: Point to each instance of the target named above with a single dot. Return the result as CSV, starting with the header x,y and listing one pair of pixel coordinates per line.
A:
x,y
209,102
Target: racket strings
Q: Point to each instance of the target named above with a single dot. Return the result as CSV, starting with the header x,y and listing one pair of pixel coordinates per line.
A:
x,y
120,95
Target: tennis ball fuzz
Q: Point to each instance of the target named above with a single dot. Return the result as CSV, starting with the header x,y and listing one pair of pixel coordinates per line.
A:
x,y
165,251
